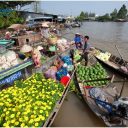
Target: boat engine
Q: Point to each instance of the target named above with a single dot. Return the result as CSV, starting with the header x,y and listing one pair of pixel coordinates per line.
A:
x,y
121,107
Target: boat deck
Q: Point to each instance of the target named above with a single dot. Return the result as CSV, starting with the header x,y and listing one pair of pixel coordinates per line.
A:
x,y
112,64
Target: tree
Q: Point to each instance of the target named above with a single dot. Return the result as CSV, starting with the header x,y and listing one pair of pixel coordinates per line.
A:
x,y
114,15
8,15
91,14
14,4
122,14
86,14
104,18
81,17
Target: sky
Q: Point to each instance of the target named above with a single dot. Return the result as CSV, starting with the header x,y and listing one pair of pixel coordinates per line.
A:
x,y
75,7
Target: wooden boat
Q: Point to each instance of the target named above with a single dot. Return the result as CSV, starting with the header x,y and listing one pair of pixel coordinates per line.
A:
x,y
114,62
56,109
75,24
58,104
102,101
109,120
25,69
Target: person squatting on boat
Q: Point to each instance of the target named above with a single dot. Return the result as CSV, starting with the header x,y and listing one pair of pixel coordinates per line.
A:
x,y
85,51
78,41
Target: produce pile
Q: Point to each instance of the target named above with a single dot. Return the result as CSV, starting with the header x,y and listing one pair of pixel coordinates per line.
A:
x,y
52,39
103,56
76,55
63,44
92,73
8,60
29,103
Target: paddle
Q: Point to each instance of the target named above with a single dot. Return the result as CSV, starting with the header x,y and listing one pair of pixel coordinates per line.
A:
x,y
120,54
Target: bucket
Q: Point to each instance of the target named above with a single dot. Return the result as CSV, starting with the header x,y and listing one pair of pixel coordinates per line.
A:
x,y
64,80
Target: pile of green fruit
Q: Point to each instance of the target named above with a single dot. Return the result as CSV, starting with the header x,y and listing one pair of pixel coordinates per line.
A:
x,y
29,103
76,55
94,72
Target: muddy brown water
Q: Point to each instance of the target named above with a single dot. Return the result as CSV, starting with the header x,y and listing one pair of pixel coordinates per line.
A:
x,y
74,112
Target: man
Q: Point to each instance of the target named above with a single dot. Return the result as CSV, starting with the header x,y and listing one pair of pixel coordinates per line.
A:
x,y
7,35
77,40
85,50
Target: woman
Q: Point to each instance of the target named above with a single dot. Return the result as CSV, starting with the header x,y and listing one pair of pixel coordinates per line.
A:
x,y
77,40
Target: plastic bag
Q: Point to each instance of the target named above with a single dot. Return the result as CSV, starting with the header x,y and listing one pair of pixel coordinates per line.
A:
x,y
67,60
62,72
10,56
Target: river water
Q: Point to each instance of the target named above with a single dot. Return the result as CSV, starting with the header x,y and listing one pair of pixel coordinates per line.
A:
x,y
105,35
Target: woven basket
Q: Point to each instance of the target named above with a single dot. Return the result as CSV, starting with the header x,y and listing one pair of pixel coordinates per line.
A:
x,y
52,40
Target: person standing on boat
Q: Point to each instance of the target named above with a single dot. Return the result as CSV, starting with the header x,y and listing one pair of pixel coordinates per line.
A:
x,y
85,51
77,40
45,31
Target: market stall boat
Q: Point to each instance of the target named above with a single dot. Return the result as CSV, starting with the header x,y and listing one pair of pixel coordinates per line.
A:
x,y
118,64
49,120
101,97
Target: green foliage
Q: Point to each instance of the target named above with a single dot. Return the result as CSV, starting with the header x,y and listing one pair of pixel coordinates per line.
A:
x,y
13,4
114,15
91,14
85,15
72,86
122,14
104,18
11,18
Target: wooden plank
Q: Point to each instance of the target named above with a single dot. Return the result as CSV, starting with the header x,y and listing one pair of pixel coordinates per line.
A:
x,y
108,78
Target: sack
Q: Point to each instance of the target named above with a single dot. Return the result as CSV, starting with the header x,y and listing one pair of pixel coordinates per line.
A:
x,y
51,73
70,68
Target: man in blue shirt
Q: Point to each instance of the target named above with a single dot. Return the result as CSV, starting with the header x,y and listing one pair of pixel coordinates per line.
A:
x,y
77,40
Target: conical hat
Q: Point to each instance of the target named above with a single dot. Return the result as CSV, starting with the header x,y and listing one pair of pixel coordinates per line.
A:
x,y
39,48
45,25
26,48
